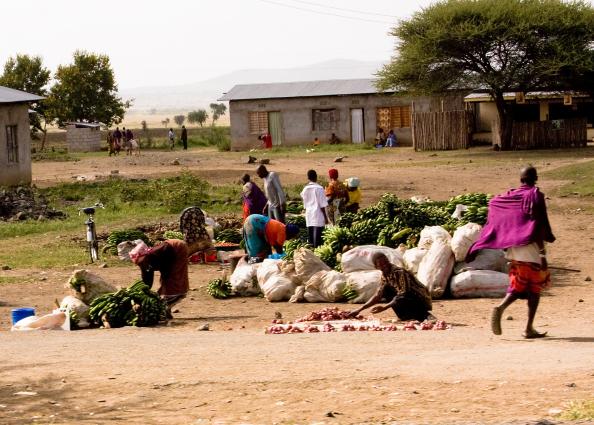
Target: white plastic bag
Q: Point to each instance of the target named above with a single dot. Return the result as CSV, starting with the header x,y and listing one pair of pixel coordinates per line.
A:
x,y
486,259
325,287
361,257
436,267
365,283
412,258
275,285
430,234
53,321
479,284
87,286
243,279
307,264
71,303
124,249
463,239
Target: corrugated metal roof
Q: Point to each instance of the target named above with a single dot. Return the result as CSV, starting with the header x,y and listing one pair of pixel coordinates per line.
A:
x,y
301,89
16,96
486,97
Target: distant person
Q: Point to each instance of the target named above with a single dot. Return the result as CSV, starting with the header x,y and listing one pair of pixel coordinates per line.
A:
x,y
354,192
518,222
337,195
266,139
391,139
262,235
254,200
380,138
129,143
110,144
184,137
171,138
117,134
334,140
316,141
315,203
276,205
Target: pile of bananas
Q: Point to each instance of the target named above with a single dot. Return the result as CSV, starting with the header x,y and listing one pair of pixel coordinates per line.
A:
x,y
295,207
327,255
478,207
228,235
173,234
136,305
118,236
297,220
293,245
218,288
349,293
337,237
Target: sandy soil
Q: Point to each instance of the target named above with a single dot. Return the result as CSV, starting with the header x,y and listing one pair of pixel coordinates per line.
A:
x,y
237,374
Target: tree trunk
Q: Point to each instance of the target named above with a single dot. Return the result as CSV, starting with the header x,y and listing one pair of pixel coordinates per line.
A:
x,y
44,136
505,117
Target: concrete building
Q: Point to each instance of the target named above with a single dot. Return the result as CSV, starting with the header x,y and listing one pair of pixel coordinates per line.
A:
x,y
15,137
83,137
296,113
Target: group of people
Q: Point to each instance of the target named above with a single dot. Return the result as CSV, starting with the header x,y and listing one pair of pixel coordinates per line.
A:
x,y
183,138
118,140
383,140
517,222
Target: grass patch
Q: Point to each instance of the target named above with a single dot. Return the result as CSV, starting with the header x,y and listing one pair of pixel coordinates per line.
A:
x,y
578,410
7,280
580,179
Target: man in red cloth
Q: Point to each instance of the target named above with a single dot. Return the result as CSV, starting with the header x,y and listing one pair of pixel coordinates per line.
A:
x,y
518,223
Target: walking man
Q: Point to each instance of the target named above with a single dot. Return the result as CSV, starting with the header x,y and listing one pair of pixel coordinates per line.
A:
x,y
315,204
518,222
277,200
184,137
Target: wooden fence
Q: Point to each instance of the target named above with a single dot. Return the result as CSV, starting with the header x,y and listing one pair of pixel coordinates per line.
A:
x,y
549,134
447,130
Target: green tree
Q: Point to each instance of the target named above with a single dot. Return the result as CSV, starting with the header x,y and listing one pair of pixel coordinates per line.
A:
x,y
198,117
218,110
498,45
86,90
166,122
179,119
27,73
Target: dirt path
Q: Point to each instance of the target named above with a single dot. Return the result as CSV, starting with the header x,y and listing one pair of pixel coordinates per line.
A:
x,y
236,374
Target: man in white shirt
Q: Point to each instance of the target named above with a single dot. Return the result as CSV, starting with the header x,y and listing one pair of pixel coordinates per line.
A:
x,y
277,200
315,203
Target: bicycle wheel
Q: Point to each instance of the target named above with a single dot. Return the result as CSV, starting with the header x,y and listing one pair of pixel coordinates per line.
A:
x,y
94,251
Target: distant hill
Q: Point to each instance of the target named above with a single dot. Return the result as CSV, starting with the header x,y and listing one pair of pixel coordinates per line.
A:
x,y
200,94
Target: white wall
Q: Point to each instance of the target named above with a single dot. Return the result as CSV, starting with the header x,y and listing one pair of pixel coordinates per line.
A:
x,y
15,173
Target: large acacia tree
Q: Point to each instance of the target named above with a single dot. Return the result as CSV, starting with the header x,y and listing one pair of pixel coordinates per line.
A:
x,y
86,90
497,45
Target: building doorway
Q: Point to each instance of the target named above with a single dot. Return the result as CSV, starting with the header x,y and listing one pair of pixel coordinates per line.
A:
x,y
275,128
357,126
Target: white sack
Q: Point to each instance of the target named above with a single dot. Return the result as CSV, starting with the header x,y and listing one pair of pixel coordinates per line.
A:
x,y
325,286
80,308
463,239
298,296
307,264
87,286
124,249
361,257
412,258
275,284
486,259
479,284
243,279
436,267
54,321
430,234
365,283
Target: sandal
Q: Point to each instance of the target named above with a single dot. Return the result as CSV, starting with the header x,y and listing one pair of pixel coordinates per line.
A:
x,y
496,321
534,335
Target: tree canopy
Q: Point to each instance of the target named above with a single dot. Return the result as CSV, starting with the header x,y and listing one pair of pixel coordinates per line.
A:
x,y
199,116
496,45
86,90
179,119
218,110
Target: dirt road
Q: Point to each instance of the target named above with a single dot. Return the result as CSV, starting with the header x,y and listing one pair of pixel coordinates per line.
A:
x,y
237,374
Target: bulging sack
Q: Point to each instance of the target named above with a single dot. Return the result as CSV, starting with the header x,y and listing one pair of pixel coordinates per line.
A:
x,y
361,257
307,264
75,305
325,287
412,258
430,234
275,285
436,267
87,286
479,284
364,283
463,239
243,279
486,259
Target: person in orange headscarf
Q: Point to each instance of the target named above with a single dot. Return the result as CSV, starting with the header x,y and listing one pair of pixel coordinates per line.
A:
x,y
337,195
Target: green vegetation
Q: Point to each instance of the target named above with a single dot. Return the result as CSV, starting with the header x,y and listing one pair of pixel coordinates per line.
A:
x,y
579,410
579,177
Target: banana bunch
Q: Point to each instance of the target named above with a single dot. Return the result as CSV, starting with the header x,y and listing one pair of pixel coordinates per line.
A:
x,y
136,305
293,245
392,235
295,207
118,236
218,288
346,220
366,231
172,234
327,255
228,235
297,220
477,204
349,293
337,238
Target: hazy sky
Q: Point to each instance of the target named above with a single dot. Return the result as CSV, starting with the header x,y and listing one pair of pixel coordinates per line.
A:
x,y
183,41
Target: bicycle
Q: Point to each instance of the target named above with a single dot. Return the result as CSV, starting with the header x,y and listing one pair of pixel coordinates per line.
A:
x,y
92,243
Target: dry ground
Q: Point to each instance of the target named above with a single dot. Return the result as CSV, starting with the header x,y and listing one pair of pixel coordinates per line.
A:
x,y
236,374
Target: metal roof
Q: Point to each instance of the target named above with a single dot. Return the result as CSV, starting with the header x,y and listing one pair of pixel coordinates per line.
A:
x,y
486,97
16,96
301,89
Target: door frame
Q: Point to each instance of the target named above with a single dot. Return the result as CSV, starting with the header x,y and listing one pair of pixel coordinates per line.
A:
x,y
362,122
282,133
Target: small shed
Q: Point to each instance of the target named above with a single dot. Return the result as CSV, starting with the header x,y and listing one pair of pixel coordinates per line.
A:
x,y
83,136
15,136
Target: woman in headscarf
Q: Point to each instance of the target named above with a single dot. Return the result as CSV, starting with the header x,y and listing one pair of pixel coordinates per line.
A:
x,y
170,258
337,195
254,199
262,235
354,193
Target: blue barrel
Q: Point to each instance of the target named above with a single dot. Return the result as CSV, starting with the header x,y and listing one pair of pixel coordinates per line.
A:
x,y
21,313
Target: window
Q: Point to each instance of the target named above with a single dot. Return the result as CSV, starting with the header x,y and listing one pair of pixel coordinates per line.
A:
x,y
324,119
393,117
12,146
258,122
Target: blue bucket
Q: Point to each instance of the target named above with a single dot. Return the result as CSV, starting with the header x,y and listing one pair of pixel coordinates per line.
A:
x,y
21,313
